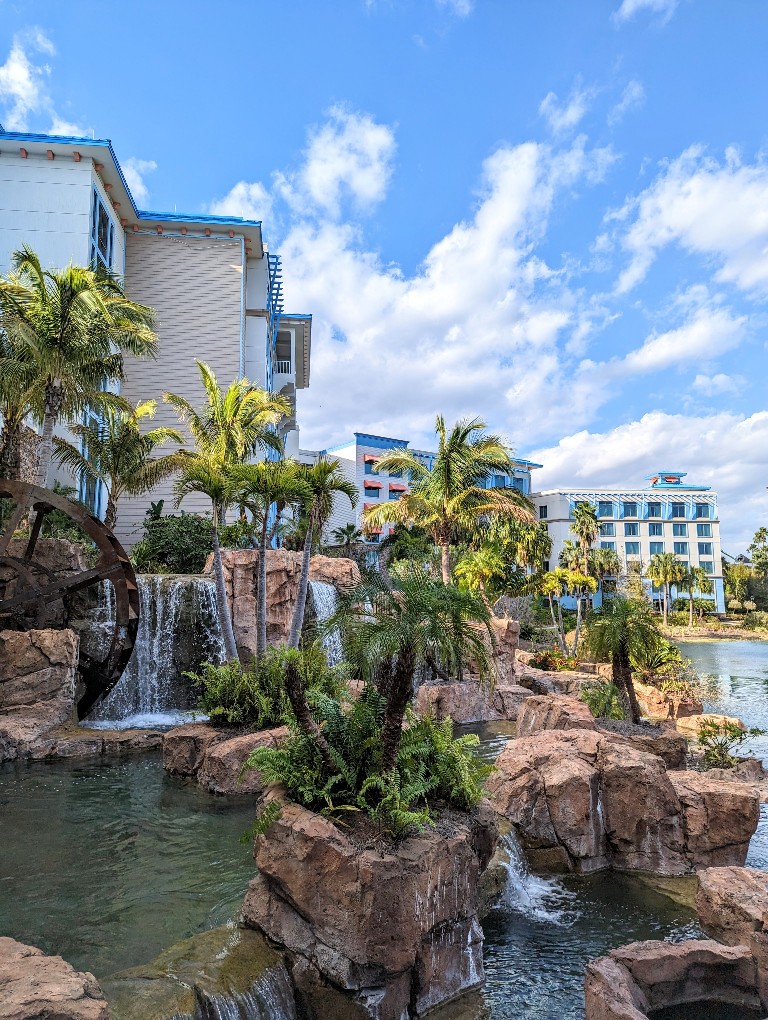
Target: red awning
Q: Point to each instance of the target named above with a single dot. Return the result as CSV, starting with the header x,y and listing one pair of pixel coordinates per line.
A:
x,y
373,531
370,458
397,487
367,506
372,485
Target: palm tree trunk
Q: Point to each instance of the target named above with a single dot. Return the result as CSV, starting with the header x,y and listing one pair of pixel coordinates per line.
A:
x,y
578,624
690,608
445,561
666,596
53,401
398,696
10,450
622,677
297,696
110,517
561,628
300,608
552,613
261,606
222,602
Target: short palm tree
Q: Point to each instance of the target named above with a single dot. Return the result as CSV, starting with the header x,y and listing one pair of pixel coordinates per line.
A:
x,y
450,497
586,528
665,569
325,482
483,570
694,579
119,455
604,563
201,474
347,535
570,557
17,389
615,632
266,490
73,325
393,629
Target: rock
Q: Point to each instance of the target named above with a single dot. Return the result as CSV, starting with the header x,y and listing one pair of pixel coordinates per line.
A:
x,y
719,819
667,743
463,701
184,747
223,761
635,980
38,677
508,699
376,922
335,570
690,726
506,635
657,706
553,712
34,986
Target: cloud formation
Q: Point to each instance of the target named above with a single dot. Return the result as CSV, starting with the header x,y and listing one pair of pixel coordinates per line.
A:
x,y
23,83
461,8
566,116
134,171
632,98
629,8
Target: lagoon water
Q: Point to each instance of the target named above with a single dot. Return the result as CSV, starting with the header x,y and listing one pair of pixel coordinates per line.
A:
x,y
108,863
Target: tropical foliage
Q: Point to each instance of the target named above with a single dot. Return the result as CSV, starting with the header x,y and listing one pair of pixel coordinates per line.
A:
x,y
665,569
719,739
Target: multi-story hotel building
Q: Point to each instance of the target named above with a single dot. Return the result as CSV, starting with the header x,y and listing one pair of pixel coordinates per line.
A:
x,y
666,516
215,288
358,461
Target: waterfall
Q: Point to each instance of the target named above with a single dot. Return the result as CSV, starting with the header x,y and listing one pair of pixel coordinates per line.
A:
x,y
270,997
178,630
324,603
542,899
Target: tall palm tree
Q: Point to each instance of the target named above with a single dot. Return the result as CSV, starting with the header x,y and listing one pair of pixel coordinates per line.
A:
x,y
393,629
694,579
267,489
665,569
205,475
325,481
604,563
347,535
450,496
233,424
17,388
73,325
586,527
615,631
570,555
119,455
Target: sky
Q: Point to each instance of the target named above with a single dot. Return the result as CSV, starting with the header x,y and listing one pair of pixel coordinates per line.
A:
x,y
549,214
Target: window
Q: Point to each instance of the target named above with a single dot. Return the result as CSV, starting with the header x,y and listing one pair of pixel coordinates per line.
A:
x,y
704,531
632,529
102,234
657,548
680,530
707,565
654,509
371,493
632,548
546,566
608,529
681,548
656,530
499,481
608,545
705,548
629,509
605,508
370,468
394,495
701,510
678,510
542,513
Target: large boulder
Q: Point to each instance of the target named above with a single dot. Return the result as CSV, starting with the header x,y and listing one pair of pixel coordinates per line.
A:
x,y
34,986
553,712
38,678
657,705
467,701
634,981
214,757
391,925
184,747
666,742
335,570
719,818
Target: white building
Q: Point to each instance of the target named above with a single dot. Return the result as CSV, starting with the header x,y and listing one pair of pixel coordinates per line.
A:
x,y
215,288
666,516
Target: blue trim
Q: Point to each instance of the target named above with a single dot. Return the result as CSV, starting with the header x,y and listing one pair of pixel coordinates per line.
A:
x,y
380,442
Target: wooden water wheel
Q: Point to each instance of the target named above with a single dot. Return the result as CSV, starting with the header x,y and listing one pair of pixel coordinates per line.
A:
x,y
31,594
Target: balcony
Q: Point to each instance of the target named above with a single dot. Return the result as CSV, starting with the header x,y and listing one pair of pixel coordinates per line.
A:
x,y
282,367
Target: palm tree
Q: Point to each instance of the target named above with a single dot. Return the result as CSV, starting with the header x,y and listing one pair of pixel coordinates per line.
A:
x,y
604,563
117,454
586,528
665,569
570,557
694,579
73,326
17,387
325,481
267,489
346,536
483,570
524,544
450,496
392,630
615,632
205,475
557,584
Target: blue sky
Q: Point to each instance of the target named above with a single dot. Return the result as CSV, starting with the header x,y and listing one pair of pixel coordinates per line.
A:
x,y
550,214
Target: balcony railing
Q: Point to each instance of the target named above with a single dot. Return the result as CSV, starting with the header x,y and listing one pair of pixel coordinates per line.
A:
x,y
283,367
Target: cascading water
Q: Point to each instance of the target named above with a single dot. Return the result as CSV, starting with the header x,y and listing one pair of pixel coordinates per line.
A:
x,y
269,998
179,629
544,899
324,601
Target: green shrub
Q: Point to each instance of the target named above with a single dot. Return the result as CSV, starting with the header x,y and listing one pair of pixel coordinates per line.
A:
x,y
231,695
755,621
553,659
700,605
603,699
719,740
432,767
174,544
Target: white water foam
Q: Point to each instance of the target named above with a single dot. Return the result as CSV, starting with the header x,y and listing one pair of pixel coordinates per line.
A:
x,y
542,899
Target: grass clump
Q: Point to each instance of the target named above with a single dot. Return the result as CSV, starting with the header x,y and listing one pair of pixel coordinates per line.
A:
x,y
603,699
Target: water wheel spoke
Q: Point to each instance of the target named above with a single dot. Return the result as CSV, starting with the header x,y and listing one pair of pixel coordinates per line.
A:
x,y
13,523
37,525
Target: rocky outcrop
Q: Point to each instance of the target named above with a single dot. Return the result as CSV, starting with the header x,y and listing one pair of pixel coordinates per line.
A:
x,y
335,570
632,982
580,800
467,701
658,706
667,743
690,726
215,758
506,637
35,986
553,712
38,677
392,927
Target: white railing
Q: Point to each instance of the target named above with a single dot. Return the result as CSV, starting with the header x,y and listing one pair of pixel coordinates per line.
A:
x,y
283,367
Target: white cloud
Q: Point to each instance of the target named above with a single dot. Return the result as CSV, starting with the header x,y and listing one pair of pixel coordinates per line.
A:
x,y
461,8
632,98
565,116
629,8
135,171
251,201
23,84
725,451
715,209
715,385
60,126
708,333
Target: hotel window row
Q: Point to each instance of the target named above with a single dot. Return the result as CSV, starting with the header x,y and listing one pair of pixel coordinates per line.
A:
x,y
656,548
655,530
651,509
